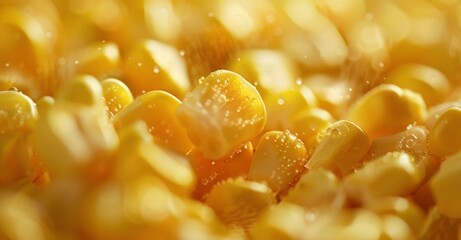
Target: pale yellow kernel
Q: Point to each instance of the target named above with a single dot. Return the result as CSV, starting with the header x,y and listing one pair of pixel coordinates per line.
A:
x,y
278,160
445,136
223,112
343,145
387,109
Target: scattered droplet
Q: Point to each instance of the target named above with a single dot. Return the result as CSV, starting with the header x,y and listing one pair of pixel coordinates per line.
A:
x,y
280,101
299,81
156,70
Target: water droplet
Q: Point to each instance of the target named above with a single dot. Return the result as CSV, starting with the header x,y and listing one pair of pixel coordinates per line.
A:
x,y
7,64
76,62
238,59
156,70
210,14
410,141
299,81
182,53
139,64
280,101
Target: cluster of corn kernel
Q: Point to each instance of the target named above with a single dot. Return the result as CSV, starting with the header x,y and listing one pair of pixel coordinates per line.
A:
x,y
333,119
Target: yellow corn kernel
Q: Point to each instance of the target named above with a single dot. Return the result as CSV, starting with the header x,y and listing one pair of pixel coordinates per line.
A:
x,y
151,65
139,156
100,60
83,89
76,133
434,112
309,124
394,174
427,81
393,227
223,112
21,219
328,47
332,94
22,154
25,48
343,14
444,186
281,106
413,141
271,72
209,172
278,161
315,189
238,202
341,149
44,104
140,208
445,136
18,112
283,221
116,94
387,109
403,208
158,110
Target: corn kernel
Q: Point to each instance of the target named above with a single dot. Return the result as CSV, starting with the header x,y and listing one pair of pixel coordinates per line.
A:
x,y
279,160
158,110
100,60
329,46
271,72
403,208
151,65
445,136
83,89
444,186
429,82
75,133
281,106
332,94
315,189
434,112
116,94
25,48
44,104
413,141
309,124
395,228
341,149
18,112
21,219
392,110
394,174
238,202
139,156
283,221
209,172
221,113
81,129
